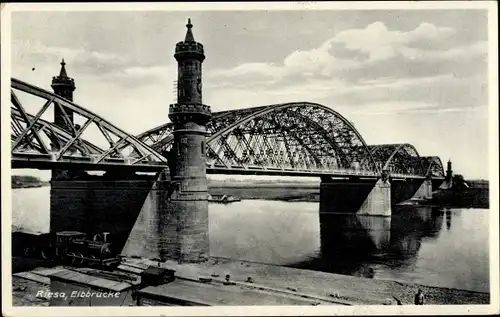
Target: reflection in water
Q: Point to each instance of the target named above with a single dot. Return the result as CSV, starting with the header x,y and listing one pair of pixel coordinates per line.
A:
x,y
414,245
448,218
349,242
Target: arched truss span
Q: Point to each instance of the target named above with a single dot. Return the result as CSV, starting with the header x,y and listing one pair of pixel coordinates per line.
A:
x,y
304,136
297,136
161,138
291,136
36,141
398,159
433,166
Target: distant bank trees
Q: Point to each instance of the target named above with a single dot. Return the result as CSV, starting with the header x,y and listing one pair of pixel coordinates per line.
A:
x,y
25,181
460,182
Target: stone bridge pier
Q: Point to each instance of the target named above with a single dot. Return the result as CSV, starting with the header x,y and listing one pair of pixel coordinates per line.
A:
x,y
356,196
126,205
354,214
425,190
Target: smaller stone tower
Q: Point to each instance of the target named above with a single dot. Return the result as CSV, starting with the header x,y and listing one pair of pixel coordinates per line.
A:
x,y
63,86
449,172
186,218
448,180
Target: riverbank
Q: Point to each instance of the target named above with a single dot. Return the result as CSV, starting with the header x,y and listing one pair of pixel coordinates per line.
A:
x,y
24,181
476,197
16,186
284,192
326,288
354,290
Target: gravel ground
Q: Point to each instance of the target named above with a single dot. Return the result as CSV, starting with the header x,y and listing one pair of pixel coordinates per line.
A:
x,y
24,293
357,290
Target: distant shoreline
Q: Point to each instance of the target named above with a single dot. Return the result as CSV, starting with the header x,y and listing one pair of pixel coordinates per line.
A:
x,y
17,186
24,181
295,192
476,197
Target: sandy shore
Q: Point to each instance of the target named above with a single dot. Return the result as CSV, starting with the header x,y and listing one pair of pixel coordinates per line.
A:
x,y
355,290
340,289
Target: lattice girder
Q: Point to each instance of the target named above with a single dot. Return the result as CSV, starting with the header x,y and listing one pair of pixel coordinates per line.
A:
x,y
433,166
288,136
303,136
54,133
33,136
161,137
400,159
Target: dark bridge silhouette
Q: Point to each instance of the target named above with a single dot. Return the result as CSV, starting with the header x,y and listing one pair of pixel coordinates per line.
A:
x,y
292,139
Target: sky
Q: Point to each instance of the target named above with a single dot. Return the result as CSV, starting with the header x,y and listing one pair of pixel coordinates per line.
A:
x,y
400,76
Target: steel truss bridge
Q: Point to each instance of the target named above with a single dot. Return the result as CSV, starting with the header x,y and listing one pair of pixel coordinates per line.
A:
x,y
292,139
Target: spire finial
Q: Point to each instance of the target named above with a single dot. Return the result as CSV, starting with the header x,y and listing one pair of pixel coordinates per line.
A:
x,y
63,73
189,33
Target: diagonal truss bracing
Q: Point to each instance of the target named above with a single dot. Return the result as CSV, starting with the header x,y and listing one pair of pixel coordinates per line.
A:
x,y
434,166
398,159
36,141
298,136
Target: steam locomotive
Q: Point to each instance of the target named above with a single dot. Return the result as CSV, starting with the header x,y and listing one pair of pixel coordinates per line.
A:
x,y
73,248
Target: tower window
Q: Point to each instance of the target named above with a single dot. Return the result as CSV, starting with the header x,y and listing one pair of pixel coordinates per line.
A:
x,y
202,148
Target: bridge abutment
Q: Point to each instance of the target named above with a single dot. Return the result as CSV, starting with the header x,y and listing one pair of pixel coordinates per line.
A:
x,y
108,203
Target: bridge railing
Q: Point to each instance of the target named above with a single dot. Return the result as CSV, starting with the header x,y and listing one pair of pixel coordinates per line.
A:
x,y
341,172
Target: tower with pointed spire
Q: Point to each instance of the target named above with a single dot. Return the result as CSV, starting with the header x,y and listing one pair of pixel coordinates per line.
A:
x,y
185,228
449,171
63,86
189,55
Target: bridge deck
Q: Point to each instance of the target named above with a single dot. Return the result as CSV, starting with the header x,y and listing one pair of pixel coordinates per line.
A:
x,y
45,162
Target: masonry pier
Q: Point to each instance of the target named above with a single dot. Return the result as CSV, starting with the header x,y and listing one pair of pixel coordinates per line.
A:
x,y
108,203
425,190
356,196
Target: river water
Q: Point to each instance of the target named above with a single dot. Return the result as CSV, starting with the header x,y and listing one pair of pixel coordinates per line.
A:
x,y
431,246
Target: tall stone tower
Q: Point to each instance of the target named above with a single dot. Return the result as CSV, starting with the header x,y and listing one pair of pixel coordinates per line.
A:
x,y
187,210
63,86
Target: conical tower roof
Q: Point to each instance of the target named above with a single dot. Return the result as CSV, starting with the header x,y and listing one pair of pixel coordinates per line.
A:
x,y
63,73
189,48
189,33
63,81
